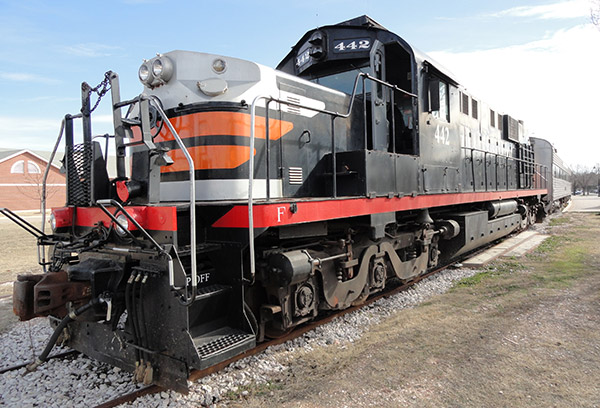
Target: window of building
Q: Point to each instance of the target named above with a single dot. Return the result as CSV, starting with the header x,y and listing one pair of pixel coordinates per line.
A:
x,y
500,126
474,111
18,167
33,168
492,118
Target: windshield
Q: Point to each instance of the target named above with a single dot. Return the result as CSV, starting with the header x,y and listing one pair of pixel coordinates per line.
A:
x,y
343,81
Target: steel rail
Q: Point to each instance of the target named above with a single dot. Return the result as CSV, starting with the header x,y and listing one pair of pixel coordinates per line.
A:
x,y
51,357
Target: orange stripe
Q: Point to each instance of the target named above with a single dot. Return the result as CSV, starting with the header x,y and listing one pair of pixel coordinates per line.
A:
x,y
209,157
223,123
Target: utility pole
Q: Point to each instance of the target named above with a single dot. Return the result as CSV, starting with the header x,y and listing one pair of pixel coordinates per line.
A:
x,y
597,168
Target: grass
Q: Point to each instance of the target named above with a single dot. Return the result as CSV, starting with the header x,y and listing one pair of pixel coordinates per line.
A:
x,y
491,271
563,258
567,265
549,245
559,221
255,390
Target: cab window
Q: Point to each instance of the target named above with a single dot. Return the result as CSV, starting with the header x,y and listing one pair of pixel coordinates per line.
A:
x,y
442,109
343,81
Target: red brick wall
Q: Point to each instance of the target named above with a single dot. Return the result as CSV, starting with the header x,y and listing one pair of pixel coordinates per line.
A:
x,y
22,191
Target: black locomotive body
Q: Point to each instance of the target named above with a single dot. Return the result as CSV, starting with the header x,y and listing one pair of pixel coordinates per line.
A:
x,y
270,196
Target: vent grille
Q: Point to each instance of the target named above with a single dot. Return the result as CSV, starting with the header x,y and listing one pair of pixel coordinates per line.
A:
x,y
295,175
474,112
79,174
293,109
464,108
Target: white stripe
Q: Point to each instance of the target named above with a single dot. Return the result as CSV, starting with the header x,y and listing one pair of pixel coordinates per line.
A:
x,y
219,189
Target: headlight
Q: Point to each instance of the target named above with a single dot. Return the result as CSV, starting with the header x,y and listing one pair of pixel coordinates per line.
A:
x,y
219,66
162,68
144,74
124,221
157,68
52,222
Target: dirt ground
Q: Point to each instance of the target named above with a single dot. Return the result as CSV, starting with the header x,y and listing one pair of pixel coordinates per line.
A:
x,y
524,333
18,254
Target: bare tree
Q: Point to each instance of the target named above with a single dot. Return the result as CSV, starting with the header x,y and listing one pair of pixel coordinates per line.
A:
x,y
595,12
584,179
34,189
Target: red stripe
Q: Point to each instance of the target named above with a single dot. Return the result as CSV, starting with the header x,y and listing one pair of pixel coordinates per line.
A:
x,y
276,214
150,218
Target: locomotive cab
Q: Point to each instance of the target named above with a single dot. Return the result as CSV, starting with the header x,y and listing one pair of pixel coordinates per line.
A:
x,y
337,56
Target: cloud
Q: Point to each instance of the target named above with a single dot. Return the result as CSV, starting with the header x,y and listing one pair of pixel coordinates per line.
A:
x,y
551,84
25,77
91,50
50,98
28,132
560,10
41,133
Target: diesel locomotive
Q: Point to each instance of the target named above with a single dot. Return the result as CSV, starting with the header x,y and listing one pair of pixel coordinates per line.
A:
x,y
248,200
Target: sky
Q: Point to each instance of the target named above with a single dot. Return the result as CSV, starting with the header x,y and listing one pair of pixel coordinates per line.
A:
x,y
537,60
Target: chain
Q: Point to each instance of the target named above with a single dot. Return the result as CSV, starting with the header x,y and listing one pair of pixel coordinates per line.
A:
x,y
101,89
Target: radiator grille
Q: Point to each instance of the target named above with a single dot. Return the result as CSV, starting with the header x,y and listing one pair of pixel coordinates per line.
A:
x,y
79,174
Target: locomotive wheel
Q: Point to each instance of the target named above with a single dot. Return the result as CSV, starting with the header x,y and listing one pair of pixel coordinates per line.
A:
x,y
524,222
363,296
273,333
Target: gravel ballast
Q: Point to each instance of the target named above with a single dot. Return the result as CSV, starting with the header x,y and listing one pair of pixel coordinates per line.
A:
x,y
80,381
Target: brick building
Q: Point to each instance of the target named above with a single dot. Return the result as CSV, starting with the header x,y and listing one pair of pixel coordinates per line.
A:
x,y
21,175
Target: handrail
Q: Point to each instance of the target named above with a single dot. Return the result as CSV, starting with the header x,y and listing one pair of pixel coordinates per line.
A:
x,y
21,222
42,254
499,155
103,202
192,172
333,114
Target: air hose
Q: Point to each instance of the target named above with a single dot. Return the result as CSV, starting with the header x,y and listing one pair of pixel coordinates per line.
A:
x,y
63,323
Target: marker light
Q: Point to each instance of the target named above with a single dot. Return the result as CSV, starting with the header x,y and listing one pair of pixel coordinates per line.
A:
x,y
53,222
219,66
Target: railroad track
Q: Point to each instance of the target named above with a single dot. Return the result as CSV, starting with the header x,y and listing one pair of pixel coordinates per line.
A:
x,y
60,355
